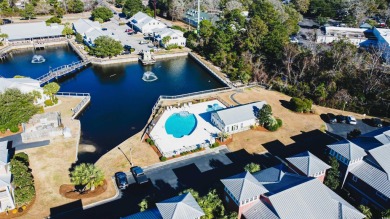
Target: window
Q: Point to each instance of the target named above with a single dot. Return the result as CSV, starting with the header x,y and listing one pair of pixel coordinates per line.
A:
x,y
227,129
242,125
354,178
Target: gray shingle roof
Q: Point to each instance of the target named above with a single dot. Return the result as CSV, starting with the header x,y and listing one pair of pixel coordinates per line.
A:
x,y
270,175
373,175
260,211
348,149
182,206
31,30
311,199
148,214
240,113
244,186
308,163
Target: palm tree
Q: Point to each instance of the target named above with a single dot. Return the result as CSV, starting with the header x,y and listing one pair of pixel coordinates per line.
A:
x,y
87,175
366,211
223,136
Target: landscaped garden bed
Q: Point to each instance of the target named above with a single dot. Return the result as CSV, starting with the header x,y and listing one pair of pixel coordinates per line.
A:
x,y
17,212
70,191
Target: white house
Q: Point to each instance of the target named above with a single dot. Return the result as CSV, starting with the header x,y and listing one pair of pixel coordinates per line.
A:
x,y
176,37
145,24
354,35
31,31
90,30
238,118
7,199
25,85
383,43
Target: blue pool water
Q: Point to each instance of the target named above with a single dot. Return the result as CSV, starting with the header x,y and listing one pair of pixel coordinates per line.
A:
x,y
180,124
213,107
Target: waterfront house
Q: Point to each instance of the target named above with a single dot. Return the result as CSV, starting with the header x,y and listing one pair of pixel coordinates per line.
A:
x,y
25,85
191,17
238,118
176,37
179,207
143,23
274,193
90,30
365,167
32,31
6,190
307,164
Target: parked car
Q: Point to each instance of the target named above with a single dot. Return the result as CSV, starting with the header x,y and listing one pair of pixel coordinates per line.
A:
x,y
143,42
104,29
121,180
351,120
331,118
341,119
139,175
376,122
129,31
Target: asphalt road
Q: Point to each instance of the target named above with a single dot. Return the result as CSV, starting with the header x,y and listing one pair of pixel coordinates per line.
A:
x,y
200,173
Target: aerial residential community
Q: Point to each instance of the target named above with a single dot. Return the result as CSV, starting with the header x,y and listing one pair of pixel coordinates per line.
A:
x,y
135,109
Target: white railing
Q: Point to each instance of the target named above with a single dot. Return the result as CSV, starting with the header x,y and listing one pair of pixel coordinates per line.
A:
x,y
72,94
62,70
86,98
211,71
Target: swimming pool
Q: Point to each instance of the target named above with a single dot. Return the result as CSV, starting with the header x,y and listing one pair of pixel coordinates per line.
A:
x,y
180,124
213,107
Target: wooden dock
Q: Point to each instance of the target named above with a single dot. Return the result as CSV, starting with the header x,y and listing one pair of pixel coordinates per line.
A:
x,y
63,70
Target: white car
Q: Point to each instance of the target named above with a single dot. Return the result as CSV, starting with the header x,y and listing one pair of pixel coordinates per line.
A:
x,y
351,120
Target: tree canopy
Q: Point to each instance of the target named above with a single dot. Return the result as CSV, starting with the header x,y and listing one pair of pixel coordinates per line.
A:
x,y
75,6
131,7
51,89
15,108
23,180
332,179
103,13
87,175
106,46
54,19
28,12
252,167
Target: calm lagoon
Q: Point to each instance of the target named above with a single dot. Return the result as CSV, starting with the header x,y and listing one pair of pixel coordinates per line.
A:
x,y
121,101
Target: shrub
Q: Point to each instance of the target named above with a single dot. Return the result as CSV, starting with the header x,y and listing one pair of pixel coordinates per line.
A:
x,y
152,50
179,28
99,20
53,20
121,23
132,50
280,122
14,128
49,103
20,210
55,100
172,46
14,211
41,110
300,105
1,44
3,129
273,127
214,145
22,157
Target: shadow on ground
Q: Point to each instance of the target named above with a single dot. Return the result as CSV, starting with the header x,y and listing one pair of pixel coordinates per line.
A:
x,y
189,176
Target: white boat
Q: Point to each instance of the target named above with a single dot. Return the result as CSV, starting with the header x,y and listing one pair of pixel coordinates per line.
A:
x,y
38,59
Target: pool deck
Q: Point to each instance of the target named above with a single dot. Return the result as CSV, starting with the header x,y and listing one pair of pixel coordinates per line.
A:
x,y
204,133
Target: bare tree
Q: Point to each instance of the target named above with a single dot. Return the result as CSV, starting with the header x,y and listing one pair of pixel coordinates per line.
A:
x,y
231,5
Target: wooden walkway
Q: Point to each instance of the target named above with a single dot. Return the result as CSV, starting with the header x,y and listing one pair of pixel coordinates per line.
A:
x,y
62,70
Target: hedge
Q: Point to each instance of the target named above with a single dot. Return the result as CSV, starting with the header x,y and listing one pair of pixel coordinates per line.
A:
x,y
49,103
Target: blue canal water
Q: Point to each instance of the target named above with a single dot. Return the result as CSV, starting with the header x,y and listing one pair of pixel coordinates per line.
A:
x,y
121,101
180,124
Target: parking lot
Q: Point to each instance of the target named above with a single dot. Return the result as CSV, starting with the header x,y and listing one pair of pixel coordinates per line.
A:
x,y
119,33
342,129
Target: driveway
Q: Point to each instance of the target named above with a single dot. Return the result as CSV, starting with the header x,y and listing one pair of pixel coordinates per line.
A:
x,y
343,129
200,173
18,144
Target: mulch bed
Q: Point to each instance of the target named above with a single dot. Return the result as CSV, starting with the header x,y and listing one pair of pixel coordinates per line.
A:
x,y
8,132
68,191
226,142
17,214
260,128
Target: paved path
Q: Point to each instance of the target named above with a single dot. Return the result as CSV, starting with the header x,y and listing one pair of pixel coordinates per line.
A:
x,y
232,98
18,144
